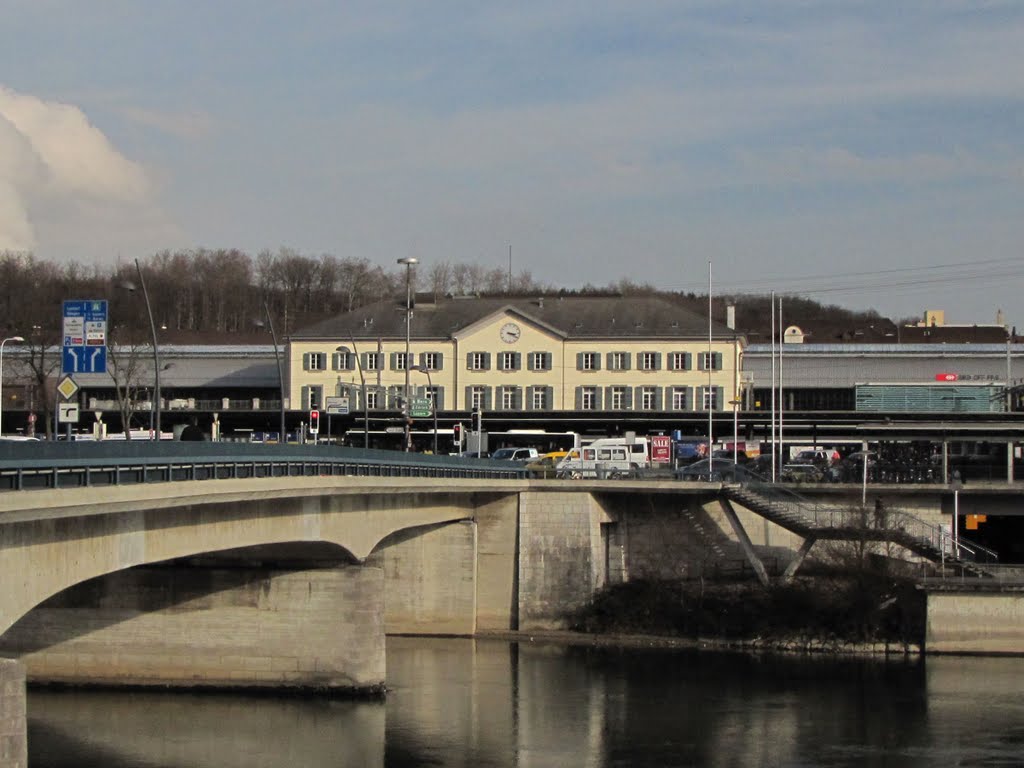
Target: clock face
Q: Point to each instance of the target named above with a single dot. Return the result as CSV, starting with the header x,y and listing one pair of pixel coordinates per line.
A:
x,y
510,332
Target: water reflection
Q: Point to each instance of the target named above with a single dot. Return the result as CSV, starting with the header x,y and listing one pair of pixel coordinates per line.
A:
x,y
491,703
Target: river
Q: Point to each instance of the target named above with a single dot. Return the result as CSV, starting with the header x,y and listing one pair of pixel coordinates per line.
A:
x,y
462,702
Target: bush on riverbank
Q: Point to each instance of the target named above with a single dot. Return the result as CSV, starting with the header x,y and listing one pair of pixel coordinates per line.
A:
x,y
829,608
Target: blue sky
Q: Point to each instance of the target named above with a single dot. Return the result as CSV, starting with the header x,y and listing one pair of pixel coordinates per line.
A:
x,y
867,154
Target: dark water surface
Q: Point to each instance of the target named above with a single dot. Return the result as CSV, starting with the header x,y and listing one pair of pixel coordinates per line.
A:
x,y
455,702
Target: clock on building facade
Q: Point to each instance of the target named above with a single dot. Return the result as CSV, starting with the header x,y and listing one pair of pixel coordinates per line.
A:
x,y
510,333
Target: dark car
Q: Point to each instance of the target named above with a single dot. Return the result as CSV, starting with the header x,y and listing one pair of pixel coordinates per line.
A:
x,y
802,473
714,470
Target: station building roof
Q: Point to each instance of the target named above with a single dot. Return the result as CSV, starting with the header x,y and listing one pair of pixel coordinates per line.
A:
x,y
572,317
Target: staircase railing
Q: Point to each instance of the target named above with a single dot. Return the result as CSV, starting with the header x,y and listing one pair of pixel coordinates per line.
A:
x,y
899,526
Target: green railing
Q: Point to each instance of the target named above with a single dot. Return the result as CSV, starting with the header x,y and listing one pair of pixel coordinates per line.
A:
x,y
27,465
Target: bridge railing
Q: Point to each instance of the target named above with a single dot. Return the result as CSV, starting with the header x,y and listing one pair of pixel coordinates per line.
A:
x,y
28,465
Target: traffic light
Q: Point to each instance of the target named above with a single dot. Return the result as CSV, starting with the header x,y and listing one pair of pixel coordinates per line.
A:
x,y
478,420
314,422
457,436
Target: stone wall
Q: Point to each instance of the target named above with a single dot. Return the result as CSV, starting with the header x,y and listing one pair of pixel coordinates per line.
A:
x,y
975,622
210,627
429,580
13,735
561,556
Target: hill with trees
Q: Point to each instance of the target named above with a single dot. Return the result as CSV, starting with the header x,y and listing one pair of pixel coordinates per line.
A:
x,y
224,295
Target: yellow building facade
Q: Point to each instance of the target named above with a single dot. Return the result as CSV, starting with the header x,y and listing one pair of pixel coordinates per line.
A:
x,y
550,354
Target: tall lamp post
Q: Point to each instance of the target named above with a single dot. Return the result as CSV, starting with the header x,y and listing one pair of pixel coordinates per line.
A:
x,y
155,412
433,400
14,340
362,390
277,359
409,262
735,429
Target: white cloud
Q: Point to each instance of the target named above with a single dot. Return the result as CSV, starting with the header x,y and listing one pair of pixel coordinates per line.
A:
x,y
63,185
77,156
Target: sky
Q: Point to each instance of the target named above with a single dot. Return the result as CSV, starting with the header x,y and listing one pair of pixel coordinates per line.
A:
x,y
863,153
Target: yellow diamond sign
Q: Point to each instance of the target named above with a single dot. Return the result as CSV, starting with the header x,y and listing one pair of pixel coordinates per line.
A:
x,y
67,388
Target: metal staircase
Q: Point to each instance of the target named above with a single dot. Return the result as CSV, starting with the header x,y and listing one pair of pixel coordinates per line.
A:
x,y
818,521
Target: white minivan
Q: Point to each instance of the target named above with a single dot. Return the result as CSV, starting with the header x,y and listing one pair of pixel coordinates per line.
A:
x,y
607,457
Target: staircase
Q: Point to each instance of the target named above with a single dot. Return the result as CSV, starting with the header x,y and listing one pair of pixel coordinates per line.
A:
x,y
810,519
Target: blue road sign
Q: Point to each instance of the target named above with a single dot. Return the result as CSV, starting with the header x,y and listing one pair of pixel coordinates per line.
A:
x,y
85,337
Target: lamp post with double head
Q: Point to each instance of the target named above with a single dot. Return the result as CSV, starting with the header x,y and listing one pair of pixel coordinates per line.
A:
x,y
13,340
280,369
409,262
155,410
433,400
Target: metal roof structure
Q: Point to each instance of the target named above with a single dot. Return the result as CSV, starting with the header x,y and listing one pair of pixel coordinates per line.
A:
x,y
846,365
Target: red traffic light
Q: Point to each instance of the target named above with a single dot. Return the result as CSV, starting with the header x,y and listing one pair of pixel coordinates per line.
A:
x,y
314,422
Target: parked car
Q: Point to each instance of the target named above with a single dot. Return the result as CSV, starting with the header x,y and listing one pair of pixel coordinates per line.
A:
x,y
817,457
546,466
714,470
802,473
515,454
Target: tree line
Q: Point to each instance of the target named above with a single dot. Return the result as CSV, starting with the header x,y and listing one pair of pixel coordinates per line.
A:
x,y
226,290
205,293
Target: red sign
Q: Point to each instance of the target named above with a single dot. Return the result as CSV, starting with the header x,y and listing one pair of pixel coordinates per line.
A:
x,y
946,377
661,449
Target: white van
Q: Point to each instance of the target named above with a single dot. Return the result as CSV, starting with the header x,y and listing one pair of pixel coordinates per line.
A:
x,y
610,457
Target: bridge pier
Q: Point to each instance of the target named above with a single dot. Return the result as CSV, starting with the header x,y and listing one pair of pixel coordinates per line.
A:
x,y
13,730
210,627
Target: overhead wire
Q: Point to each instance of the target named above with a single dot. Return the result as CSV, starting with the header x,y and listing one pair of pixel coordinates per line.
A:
x,y
915,277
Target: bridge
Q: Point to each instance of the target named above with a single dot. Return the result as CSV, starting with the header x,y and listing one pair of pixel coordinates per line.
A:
x,y
207,566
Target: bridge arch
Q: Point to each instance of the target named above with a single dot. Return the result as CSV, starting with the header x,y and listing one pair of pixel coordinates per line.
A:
x,y
57,539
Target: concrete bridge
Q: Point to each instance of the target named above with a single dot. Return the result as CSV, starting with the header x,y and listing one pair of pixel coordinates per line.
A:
x,y
283,582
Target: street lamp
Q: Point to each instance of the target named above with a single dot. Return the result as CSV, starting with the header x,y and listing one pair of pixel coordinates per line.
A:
x,y
362,390
735,428
15,340
433,400
277,359
956,485
863,455
409,262
156,351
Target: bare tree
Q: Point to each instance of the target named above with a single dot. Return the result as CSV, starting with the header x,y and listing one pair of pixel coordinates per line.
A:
x,y
126,356
440,278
